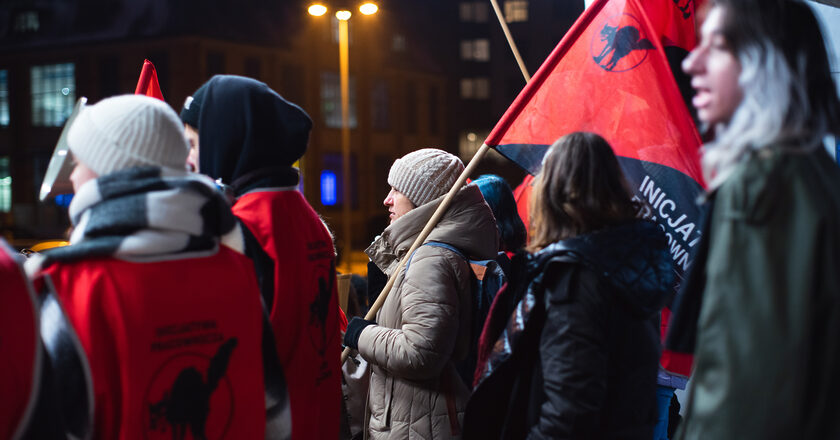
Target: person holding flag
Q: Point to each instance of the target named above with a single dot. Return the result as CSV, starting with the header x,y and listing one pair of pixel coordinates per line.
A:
x,y
423,328
760,308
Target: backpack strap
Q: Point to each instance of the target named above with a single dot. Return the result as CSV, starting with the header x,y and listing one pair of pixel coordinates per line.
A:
x,y
446,385
435,244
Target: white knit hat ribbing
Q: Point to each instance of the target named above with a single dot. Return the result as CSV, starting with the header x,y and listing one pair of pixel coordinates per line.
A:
x,y
425,175
127,131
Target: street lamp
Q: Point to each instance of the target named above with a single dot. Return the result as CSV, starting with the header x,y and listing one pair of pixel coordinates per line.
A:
x,y
343,17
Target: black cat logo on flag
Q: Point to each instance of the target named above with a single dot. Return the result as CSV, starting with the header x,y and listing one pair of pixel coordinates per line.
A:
x,y
620,45
190,397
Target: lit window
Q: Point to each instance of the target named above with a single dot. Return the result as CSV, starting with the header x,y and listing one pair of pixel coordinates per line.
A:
x,y
476,12
335,194
482,88
465,10
469,142
5,185
398,43
27,21
331,100
4,98
516,10
477,50
475,88
467,88
329,197
53,94
481,12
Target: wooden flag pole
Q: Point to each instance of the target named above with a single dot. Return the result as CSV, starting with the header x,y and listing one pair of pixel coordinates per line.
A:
x,y
441,209
510,41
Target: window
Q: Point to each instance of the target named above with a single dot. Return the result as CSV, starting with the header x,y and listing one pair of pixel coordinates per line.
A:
x,y
476,12
5,185
331,100
434,126
398,43
410,107
332,181
215,63
4,98
516,10
477,50
53,89
475,88
27,21
469,142
380,111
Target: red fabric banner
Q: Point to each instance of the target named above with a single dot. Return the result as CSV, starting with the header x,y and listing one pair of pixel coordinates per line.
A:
x,y
610,75
148,83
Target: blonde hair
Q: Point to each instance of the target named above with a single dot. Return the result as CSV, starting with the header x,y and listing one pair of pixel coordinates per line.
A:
x,y
789,99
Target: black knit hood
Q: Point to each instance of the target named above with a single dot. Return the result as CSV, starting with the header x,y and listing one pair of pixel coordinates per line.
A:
x,y
249,134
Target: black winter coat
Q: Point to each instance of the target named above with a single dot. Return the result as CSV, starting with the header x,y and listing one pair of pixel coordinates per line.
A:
x,y
588,357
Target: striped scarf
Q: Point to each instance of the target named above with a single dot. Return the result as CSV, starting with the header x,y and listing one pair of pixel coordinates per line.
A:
x,y
148,214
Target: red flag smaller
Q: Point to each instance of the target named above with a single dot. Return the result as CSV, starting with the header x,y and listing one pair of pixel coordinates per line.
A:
x,y
148,83
522,195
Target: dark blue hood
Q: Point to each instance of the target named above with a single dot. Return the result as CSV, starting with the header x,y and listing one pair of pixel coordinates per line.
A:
x,y
633,258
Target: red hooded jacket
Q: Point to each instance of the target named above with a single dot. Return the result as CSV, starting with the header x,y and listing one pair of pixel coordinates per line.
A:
x,y
304,313
173,346
19,345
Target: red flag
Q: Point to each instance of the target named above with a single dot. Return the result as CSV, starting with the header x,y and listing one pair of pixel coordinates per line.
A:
x,y
609,75
148,83
522,194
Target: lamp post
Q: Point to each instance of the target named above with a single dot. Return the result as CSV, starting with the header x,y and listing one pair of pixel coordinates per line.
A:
x,y
343,16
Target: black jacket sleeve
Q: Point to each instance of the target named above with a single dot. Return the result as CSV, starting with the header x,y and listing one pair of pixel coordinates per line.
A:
x,y
573,355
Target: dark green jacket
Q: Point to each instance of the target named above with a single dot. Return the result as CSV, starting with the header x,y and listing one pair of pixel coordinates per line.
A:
x,y
768,331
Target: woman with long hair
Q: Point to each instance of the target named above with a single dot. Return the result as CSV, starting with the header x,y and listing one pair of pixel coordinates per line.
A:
x,y
761,306
605,275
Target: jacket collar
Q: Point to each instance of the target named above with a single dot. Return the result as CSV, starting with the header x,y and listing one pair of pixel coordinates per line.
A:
x,y
468,225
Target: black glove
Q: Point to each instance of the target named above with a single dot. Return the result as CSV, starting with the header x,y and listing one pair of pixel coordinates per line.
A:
x,y
354,330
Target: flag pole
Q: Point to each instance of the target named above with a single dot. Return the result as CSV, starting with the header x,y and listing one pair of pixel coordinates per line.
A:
x,y
510,41
444,205
441,209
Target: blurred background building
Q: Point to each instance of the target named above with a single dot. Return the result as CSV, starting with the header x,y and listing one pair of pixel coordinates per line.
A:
x,y
433,73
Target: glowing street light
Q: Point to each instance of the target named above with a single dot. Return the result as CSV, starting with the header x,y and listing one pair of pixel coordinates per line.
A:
x,y
368,8
343,17
317,10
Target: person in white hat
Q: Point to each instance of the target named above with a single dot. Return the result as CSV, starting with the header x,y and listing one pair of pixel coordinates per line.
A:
x,y
155,283
423,328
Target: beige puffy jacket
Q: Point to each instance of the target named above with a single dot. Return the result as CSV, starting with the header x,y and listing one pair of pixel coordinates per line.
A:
x,y
423,326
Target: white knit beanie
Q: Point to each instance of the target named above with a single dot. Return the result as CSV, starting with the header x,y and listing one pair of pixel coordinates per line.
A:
x,y
425,175
127,131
